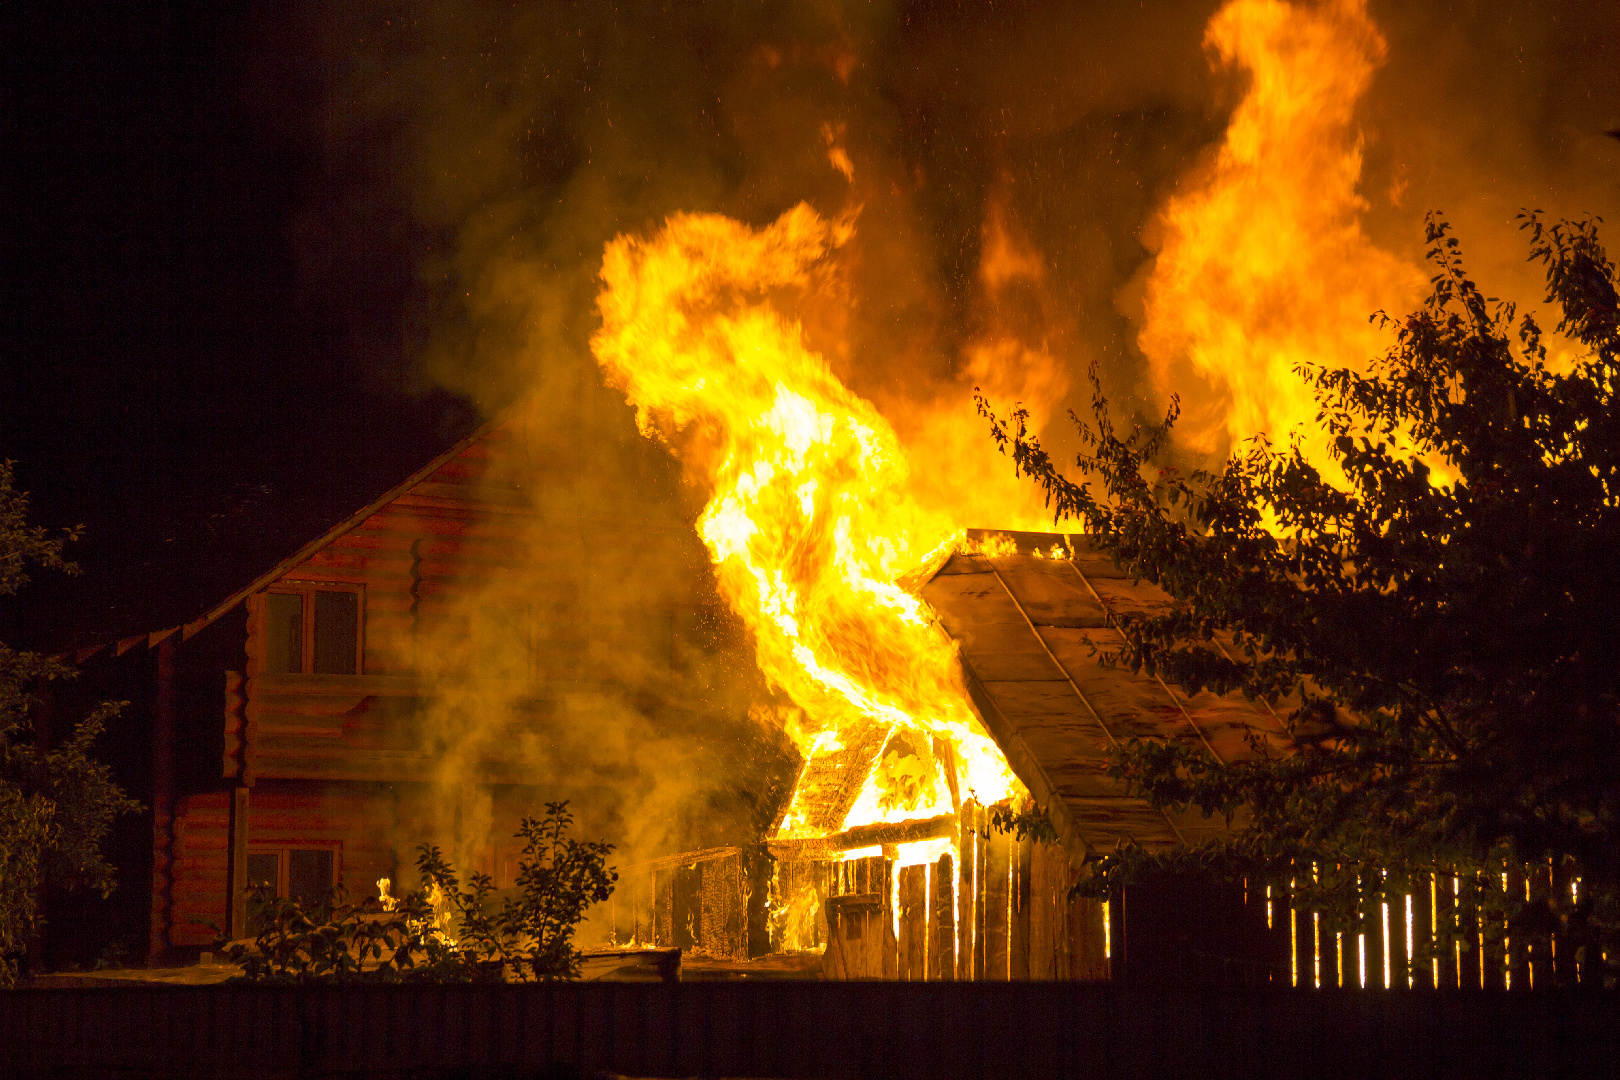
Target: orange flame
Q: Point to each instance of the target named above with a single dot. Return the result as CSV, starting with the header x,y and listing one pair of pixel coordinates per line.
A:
x,y
812,524
1264,264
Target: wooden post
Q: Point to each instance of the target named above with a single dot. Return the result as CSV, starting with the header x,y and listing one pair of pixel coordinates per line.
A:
x,y
236,917
942,919
913,924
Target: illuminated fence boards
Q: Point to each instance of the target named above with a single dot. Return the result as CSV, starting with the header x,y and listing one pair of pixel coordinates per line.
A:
x,y
1400,941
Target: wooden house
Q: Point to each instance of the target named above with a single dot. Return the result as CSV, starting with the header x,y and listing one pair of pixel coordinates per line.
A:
x,y
312,727
477,641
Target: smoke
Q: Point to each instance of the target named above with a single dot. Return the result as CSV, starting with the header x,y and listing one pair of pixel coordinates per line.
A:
x,y
1004,166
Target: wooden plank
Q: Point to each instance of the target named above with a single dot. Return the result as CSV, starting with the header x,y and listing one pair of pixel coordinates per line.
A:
x,y
981,901
997,902
1087,943
1423,947
1042,914
967,895
942,920
891,940
1445,927
913,937
1018,962
1372,901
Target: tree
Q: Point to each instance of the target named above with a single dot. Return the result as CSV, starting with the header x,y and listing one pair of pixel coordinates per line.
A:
x,y
57,804
1438,627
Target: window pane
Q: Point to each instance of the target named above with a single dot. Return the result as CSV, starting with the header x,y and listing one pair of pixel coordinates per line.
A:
x,y
309,875
284,630
337,628
262,869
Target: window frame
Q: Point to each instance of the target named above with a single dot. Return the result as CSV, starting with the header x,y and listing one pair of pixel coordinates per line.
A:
x,y
283,854
306,590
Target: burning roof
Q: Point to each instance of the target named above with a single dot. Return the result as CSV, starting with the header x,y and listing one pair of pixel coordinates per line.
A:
x,y
1027,613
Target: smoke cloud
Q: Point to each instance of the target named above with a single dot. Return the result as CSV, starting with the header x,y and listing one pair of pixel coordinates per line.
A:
x,y
1004,166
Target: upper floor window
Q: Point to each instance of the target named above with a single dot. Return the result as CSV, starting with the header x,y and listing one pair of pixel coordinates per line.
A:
x,y
312,629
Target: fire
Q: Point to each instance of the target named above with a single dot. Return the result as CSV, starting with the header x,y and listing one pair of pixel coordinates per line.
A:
x,y
812,524
1264,264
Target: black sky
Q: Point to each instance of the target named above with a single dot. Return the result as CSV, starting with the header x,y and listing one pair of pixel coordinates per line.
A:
x,y
227,252
162,378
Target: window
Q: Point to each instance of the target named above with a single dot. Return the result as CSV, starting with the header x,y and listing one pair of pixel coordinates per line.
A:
x,y
304,874
312,629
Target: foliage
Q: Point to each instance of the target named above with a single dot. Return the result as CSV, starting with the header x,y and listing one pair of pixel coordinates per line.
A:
x,y
1026,820
1435,629
57,804
443,933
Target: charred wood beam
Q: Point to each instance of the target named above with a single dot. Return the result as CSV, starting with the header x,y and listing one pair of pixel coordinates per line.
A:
x,y
900,832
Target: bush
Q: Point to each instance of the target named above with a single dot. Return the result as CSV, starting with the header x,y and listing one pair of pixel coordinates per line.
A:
x,y
441,933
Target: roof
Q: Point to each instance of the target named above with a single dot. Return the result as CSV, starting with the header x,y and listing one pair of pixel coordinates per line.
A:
x,y
188,629
1028,626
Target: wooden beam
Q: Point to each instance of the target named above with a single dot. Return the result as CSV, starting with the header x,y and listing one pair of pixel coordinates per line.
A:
x,y
900,832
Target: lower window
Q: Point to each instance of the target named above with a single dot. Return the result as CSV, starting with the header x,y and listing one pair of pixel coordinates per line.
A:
x,y
304,874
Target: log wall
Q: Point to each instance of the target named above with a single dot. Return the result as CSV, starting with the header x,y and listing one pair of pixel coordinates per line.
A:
x,y
477,583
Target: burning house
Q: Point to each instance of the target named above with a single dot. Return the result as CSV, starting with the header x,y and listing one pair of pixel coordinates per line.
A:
x,y
883,864
471,645
301,740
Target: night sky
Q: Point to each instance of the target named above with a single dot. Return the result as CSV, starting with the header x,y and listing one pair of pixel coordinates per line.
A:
x,y
168,378
233,268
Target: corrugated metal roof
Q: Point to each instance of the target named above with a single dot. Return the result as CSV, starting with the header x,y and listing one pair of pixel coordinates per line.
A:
x,y
1027,625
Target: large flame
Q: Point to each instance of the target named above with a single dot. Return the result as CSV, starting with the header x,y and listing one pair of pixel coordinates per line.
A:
x,y
812,523
1264,263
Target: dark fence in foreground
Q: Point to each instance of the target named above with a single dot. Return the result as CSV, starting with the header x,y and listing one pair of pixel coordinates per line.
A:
x,y
939,1031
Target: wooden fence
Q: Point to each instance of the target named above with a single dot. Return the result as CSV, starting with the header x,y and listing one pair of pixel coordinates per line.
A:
x,y
938,1031
1434,933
